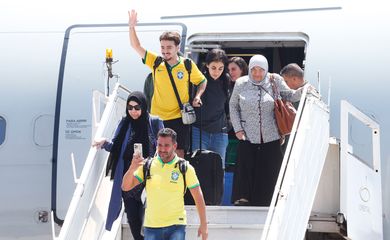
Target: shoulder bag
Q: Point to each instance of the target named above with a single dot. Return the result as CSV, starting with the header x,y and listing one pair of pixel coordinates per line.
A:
x,y
187,111
284,110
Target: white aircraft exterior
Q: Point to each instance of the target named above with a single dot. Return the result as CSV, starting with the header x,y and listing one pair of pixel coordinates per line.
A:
x,y
53,56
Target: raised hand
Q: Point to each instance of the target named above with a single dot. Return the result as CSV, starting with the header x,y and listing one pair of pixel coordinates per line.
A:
x,y
136,162
132,18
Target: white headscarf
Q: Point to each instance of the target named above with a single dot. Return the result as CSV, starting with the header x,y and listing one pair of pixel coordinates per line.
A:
x,y
258,61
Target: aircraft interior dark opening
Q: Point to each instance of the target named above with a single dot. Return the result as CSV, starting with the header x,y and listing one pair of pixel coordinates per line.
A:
x,y
278,53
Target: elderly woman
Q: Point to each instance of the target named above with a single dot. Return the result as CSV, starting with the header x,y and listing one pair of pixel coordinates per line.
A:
x,y
259,155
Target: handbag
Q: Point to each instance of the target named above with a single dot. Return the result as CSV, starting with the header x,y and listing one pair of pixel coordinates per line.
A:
x,y
188,115
284,115
284,112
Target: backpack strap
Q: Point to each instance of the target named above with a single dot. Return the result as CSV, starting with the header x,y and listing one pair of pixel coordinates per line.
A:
x,y
149,89
146,169
182,164
157,63
188,66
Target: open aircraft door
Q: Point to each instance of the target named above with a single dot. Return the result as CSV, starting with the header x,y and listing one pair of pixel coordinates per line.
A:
x,y
300,172
82,71
360,180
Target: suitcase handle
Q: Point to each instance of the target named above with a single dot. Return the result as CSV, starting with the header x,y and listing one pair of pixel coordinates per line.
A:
x,y
200,130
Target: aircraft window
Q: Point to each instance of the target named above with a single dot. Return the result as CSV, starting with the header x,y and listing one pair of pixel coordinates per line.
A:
x,y
2,130
360,141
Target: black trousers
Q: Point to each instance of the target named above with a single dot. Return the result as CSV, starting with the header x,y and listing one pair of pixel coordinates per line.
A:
x,y
135,214
182,131
256,172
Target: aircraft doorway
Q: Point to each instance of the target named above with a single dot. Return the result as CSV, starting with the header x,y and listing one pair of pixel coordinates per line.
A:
x,y
279,48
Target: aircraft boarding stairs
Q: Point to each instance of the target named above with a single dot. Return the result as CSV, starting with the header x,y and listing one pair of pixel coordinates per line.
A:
x,y
297,207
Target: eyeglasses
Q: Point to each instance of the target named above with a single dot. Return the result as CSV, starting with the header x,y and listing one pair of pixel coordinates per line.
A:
x,y
131,107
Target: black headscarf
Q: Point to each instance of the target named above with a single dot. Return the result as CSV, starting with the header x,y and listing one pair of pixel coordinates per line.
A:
x,y
139,134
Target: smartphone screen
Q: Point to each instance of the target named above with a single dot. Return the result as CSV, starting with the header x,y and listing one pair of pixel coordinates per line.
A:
x,y
138,148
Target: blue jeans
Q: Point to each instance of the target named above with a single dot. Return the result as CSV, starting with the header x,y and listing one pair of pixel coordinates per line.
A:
x,y
174,232
216,142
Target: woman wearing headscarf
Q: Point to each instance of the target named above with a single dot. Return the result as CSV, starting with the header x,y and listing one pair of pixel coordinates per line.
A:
x,y
259,155
138,126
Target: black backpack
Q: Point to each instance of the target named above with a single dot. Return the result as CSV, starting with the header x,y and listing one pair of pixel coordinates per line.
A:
x,y
187,64
149,82
181,163
136,192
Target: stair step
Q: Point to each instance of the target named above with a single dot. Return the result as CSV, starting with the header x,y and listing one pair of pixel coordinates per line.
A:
x,y
230,226
227,231
229,215
224,222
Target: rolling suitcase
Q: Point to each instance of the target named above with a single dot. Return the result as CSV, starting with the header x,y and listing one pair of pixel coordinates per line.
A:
x,y
208,168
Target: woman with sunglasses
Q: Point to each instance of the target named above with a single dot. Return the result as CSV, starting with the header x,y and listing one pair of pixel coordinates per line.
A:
x,y
138,126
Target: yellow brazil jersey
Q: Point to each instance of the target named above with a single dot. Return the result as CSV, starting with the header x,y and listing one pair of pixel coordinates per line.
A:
x,y
164,190
164,102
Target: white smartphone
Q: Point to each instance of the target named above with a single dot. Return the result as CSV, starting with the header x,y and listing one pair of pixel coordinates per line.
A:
x,y
138,149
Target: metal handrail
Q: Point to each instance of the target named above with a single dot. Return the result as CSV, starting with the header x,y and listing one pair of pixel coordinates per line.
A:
x,y
79,191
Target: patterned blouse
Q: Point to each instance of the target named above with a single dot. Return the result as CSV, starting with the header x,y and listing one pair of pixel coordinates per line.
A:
x,y
252,107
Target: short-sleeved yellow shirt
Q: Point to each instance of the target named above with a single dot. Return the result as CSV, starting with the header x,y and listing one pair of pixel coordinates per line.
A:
x,y
164,190
164,102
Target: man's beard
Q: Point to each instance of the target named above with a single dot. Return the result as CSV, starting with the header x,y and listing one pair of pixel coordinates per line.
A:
x,y
167,59
166,155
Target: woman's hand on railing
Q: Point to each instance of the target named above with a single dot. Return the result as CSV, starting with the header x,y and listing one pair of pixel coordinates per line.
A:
x,y
98,143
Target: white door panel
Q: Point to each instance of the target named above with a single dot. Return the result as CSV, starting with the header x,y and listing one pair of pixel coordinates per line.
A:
x,y
360,195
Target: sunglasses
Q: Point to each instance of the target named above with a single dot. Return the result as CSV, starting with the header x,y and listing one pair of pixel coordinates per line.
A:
x,y
131,107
